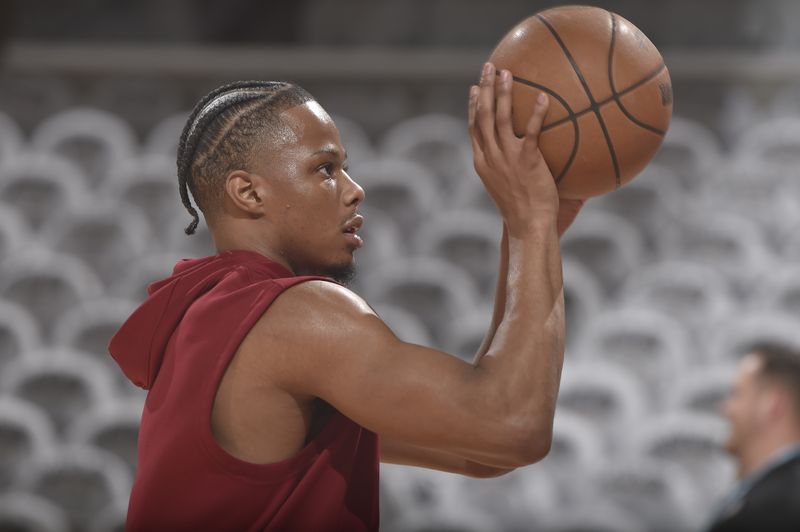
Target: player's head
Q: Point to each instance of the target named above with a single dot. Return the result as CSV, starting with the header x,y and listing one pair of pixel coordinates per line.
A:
x,y
763,407
265,165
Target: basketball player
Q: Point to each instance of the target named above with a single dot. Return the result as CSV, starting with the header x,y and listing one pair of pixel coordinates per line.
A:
x,y
764,414
274,392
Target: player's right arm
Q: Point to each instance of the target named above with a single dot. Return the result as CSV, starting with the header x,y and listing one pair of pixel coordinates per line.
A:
x,y
324,341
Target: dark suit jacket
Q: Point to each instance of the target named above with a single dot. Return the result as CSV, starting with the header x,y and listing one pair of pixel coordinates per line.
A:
x,y
771,505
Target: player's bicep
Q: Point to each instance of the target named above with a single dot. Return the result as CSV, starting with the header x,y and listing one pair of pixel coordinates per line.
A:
x,y
337,349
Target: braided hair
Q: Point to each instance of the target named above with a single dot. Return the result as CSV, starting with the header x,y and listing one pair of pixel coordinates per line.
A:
x,y
220,133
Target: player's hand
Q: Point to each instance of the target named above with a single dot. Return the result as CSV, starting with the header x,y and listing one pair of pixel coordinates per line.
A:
x,y
512,169
568,210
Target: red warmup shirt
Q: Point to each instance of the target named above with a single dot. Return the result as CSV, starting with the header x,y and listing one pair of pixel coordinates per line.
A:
x,y
177,345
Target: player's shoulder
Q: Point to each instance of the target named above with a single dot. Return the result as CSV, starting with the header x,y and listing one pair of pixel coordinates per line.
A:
x,y
324,296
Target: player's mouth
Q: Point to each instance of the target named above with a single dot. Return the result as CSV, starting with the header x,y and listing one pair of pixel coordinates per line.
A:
x,y
350,229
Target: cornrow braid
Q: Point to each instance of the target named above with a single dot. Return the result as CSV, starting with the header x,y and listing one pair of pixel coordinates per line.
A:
x,y
220,130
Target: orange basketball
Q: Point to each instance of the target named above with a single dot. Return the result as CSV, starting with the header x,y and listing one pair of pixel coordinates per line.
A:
x,y
609,89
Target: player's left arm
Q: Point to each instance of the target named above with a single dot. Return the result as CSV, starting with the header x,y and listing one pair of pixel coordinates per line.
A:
x,y
397,452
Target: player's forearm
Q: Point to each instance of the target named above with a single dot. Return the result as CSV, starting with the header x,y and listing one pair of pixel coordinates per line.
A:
x,y
522,366
499,299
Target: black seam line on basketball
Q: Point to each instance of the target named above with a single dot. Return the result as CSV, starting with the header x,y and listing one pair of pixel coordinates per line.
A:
x,y
571,116
592,102
614,89
610,99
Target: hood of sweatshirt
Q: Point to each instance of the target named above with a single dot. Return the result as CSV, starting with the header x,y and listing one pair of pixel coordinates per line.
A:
x,y
140,343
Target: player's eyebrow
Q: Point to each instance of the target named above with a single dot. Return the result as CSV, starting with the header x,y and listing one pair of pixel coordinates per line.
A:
x,y
331,150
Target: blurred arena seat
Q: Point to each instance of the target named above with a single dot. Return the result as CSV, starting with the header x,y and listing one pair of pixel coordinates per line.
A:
x,y
14,231
25,434
703,388
730,243
583,298
606,396
110,519
694,294
610,247
39,185
103,235
199,244
651,203
432,289
663,499
591,517
46,284
438,142
11,140
148,184
24,512
356,142
383,241
82,481
645,342
141,100
88,327
691,443
464,336
734,335
150,267
112,426
164,137
779,291
405,325
403,190
772,144
469,239
19,333
64,383
690,150
92,139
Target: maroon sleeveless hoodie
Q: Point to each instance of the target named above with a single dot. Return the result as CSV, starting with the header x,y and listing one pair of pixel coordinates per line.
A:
x,y
177,345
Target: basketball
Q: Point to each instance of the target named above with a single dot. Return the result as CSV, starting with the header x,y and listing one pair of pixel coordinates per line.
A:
x,y
610,95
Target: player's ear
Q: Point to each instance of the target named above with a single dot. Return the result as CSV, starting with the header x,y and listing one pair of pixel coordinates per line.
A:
x,y
246,192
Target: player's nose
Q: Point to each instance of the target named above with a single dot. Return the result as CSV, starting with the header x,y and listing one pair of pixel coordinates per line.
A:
x,y
354,194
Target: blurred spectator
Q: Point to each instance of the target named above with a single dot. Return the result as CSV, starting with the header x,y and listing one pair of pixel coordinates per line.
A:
x,y
764,413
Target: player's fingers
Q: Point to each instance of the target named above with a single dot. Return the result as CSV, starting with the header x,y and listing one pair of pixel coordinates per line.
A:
x,y
505,129
486,111
534,127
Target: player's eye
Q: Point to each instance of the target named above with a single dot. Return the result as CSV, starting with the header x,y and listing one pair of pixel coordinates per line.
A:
x,y
327,169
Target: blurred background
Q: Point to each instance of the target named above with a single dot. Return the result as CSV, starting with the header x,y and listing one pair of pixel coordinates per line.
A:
x,y
667,280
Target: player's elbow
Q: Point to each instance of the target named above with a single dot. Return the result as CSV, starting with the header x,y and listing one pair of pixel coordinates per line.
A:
x,y
531,443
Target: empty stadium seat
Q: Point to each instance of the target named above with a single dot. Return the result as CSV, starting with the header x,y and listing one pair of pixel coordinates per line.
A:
x,y
730,243
14,231
650,345
469,239
25,512
199,244
25,434
39,185
438,142
405,325
733,336
11,140
464,336
63,383
431,289
606,244
94,140
111,519
403,190
691,443
142,100
663,499
165,136
89,326
598,517
383,241
651,203
703,388
356,143
149,268
104,236
606,396
690,150
82,481
692,293
19,332
779,291
112,426
773,142
583,298
46,284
